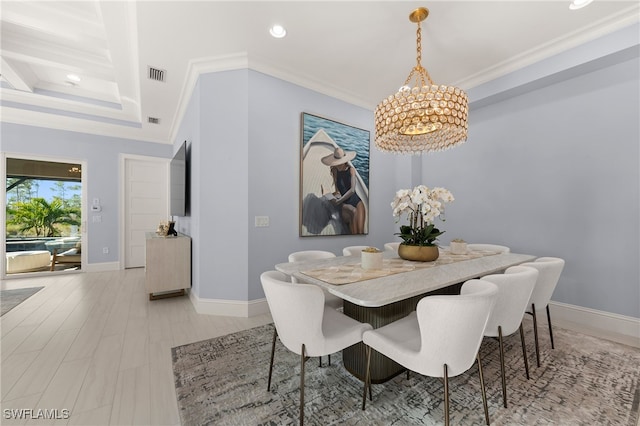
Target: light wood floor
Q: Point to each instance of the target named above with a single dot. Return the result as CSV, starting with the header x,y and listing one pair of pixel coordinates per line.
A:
x,y
93,344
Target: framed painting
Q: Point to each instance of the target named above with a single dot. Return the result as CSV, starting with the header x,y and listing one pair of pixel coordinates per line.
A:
x,y
334,178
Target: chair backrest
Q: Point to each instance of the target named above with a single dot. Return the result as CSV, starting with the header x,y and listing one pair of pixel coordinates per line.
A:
x,y
452,328
549,269
300,256
514,290
391,246
297,311
353,250
489,247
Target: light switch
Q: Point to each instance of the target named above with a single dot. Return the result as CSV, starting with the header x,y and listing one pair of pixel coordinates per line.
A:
x,y
262,221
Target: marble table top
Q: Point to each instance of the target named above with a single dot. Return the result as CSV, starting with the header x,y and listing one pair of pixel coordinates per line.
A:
x,y
415,279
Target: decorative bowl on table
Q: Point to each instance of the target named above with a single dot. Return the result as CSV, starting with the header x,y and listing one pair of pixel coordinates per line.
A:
x,y
417,253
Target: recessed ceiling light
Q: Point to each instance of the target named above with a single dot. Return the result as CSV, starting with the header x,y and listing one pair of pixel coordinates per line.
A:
x,y
579,4
73,77
278,31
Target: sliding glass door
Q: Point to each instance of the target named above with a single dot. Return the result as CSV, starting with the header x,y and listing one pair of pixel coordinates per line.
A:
x,y
43,216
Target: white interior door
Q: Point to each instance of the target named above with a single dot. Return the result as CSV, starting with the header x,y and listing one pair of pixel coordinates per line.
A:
x,y
146,204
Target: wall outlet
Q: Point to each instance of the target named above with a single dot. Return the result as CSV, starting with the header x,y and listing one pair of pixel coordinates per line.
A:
x,y
105,250
261,221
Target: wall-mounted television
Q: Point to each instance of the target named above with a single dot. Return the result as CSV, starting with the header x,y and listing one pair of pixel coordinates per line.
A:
x,y
179,182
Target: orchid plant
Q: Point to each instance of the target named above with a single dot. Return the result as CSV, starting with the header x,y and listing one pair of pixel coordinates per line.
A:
x,y
422,206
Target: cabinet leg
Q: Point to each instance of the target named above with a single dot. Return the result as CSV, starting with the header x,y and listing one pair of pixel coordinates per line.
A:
x,y
165,295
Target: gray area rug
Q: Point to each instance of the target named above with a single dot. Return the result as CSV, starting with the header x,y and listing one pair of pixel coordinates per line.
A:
x,y
9,299
583,381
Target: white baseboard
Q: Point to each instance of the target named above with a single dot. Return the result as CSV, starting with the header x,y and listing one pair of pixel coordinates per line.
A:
x,y
231,308
618,328
101,267
606,325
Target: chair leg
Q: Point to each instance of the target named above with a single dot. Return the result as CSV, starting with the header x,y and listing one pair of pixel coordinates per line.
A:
x,y
370,393
484,391
502,372
302,362
273,351
535,333
366,379
550,330
446,396
320,360
524,351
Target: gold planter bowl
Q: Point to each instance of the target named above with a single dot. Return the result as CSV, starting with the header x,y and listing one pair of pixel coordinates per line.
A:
x,y
418,253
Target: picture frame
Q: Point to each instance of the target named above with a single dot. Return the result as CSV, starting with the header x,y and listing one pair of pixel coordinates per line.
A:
x,y
334,177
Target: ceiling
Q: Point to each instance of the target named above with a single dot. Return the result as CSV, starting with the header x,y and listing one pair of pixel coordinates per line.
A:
x,y
359,51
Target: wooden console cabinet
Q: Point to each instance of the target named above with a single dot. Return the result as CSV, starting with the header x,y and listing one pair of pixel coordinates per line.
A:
x,y
168,265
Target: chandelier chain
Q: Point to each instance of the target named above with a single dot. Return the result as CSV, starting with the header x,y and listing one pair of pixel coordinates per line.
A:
x,y
419,45
423,76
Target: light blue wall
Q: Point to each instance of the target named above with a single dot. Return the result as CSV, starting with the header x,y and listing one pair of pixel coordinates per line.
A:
x,y
189,131
245,153
223,185
551,167
275,109
102,173
554,171
215,127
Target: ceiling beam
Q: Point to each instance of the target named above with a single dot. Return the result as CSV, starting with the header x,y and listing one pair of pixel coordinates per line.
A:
x,y
13,77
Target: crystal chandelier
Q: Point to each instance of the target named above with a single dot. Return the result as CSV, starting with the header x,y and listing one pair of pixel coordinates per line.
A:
x,y
424,117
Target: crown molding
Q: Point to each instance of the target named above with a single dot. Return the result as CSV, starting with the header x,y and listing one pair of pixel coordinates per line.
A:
x,y
241,60
72,124
597,29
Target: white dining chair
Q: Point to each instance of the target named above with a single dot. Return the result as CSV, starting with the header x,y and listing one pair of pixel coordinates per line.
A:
x,y
304,324
549,269
440,338
353,250
300,256
489,247
392,246
514,289
329,299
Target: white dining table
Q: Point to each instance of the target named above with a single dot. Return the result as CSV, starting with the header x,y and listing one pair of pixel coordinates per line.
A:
x,y
396,287
380,300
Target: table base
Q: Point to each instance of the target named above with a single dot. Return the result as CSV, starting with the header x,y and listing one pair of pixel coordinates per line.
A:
x,y
382,368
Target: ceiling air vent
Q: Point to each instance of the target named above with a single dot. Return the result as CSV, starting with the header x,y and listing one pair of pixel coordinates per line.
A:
x,y
156,74
154,120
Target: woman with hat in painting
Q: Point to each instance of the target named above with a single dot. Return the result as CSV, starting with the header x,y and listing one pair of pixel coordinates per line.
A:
x,y
344,181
